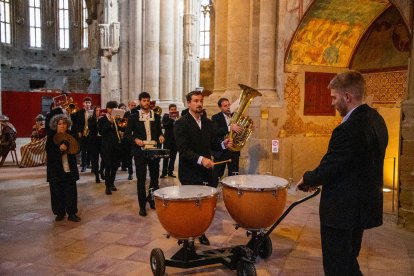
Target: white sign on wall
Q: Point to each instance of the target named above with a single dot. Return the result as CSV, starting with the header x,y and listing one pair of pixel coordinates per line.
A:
x,y
275,146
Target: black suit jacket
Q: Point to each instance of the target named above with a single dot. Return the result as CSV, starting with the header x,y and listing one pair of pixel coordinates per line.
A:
x,y
136,129
110,141
221,129
193,142
168,125
79,122
351,172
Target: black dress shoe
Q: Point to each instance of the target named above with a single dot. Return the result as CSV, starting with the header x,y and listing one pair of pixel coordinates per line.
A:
x,y
171,175
203,240
113,188
142,212
83,169
152,204
60,217
163,176
130,176
108,191
74,218
97,180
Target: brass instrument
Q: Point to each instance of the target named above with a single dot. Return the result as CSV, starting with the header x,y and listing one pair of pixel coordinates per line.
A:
x,y
85,132
66,103
122,122
240,139
157,109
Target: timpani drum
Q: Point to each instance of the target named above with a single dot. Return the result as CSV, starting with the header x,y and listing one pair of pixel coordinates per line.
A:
x,y
186,211
255,202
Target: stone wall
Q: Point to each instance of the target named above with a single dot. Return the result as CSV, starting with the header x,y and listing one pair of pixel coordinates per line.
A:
x,y
68,69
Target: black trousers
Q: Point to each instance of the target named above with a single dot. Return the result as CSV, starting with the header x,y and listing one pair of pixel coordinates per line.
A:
x,y
141,164
232,167
126,161
340,250
83,144
168,163
111,163
64,196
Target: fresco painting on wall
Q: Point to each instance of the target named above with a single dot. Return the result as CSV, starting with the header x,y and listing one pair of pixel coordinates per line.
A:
x,y
385,45
330,31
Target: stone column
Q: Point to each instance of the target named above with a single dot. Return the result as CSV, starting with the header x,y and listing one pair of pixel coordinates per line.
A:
x,y
220,63
178,53
135,73
238,43
191,45
110,89
166,52
406,168
152,48
267,50
124,8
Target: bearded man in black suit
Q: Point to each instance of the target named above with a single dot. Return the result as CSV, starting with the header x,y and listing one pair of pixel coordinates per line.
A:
x,y
195,138
222,127
351,173
143,127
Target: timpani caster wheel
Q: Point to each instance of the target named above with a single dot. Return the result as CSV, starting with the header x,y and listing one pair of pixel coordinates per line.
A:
x,y
157,261
245,268
265,248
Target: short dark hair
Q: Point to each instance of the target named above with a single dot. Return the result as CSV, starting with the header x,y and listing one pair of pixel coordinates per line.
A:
x,y
222,100
112,104
190,95
172,105
352,81
87,99
121,105
144,95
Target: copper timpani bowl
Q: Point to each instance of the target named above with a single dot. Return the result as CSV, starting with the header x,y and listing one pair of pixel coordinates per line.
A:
x,y
186,211
255,201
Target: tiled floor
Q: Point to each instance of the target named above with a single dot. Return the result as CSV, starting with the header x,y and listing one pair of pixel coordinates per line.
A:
x,y
112,239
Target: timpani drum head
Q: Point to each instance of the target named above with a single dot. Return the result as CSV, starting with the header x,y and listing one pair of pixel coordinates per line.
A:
x,y
255,182
185,192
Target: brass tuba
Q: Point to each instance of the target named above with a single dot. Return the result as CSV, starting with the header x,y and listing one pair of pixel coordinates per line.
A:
x,y
239,139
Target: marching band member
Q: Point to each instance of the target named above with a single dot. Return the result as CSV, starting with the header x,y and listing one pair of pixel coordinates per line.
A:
x,y
195,138
168,121
82,131
111,146
144,127
95,144
222,127
62,171
127,156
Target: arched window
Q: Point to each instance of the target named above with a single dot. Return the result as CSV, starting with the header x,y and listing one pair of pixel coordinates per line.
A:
x,y
35,24
5,29
63,24
85,43
205,29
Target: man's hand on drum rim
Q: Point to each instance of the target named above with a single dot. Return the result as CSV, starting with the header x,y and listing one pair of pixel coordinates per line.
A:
x,y
301,186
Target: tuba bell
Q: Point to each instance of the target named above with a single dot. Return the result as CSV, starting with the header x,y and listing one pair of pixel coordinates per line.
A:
x,y
240,139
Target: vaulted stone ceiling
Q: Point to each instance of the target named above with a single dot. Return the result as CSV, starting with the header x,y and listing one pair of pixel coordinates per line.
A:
x,y
331,30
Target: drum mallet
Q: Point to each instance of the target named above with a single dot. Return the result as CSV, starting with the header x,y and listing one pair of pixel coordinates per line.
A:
x,y
221,162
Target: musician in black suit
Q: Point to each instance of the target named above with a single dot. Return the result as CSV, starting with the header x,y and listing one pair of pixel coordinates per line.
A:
x,y
111,146
168,122
126,163
95,145
351,173
80,126
195,138
222,126
145,127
